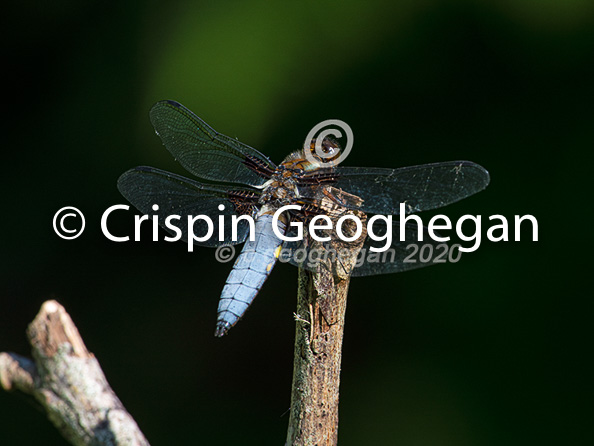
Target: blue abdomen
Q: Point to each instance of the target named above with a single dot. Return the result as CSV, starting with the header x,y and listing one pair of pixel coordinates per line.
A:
x,y
250,271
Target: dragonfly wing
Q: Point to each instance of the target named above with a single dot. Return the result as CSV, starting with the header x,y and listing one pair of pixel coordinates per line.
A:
x,y
176,195
204,152
402,254
420,188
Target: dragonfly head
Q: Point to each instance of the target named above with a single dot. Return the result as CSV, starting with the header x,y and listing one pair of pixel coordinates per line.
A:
x,y
301,161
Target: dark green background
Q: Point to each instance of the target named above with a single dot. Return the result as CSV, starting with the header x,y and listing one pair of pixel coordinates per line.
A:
x,y
493,350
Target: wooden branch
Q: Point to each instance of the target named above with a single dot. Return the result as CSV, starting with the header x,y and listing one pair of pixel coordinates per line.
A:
x,y
69,383
321,306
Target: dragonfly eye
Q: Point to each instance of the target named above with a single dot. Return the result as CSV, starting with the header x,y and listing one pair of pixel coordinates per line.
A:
x,y
329,147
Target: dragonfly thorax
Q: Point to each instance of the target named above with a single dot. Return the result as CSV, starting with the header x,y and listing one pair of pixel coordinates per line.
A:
x,y
281,187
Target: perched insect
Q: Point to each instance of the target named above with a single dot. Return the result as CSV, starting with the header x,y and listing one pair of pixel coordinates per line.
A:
x,y
253,185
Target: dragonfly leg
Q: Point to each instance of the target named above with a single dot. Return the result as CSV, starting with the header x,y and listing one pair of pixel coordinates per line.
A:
x,y
333,197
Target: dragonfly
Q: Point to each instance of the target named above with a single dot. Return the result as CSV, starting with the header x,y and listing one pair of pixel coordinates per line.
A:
x,y
238,180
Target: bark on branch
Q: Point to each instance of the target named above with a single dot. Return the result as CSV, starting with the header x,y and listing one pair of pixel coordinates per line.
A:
x,y
69,383
321,306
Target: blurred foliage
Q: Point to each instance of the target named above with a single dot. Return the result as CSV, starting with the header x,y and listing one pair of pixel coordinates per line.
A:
x,y
492,350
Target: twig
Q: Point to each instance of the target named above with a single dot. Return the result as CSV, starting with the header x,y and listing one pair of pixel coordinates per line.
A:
x,y
69,383
318,347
